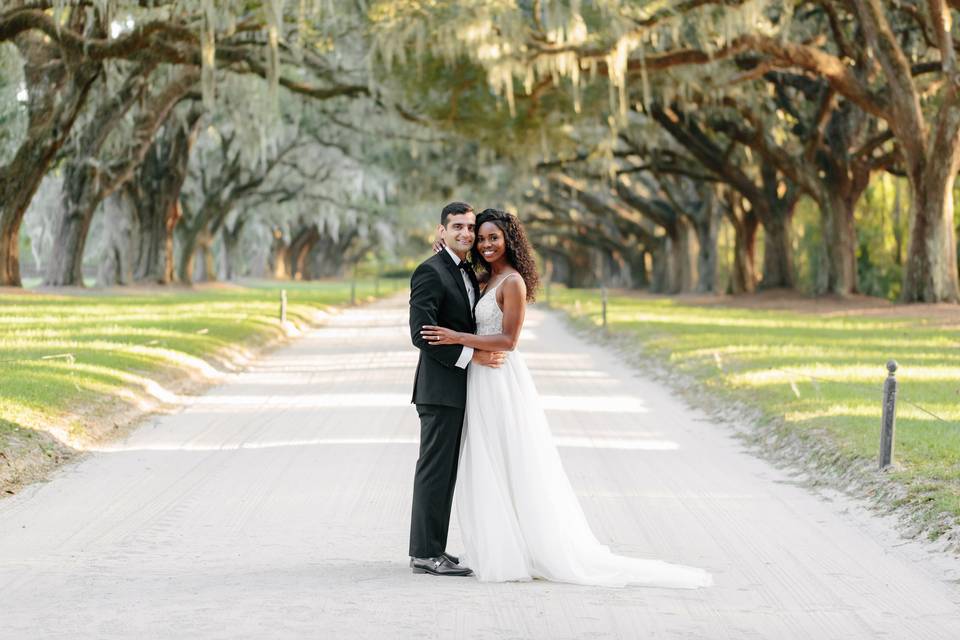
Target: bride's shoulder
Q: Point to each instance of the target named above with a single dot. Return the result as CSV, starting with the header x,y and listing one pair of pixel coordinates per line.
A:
x,y
514,281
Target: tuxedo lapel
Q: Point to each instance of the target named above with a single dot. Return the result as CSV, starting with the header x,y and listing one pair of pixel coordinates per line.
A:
x,y
458,279
476,287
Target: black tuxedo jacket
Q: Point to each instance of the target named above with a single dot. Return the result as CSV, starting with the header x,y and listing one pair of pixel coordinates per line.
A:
x,y
438,297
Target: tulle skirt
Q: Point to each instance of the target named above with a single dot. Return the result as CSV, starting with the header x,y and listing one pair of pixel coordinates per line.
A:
x,y
518,514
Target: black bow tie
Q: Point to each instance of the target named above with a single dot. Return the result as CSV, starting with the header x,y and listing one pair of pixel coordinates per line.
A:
x,y
468,269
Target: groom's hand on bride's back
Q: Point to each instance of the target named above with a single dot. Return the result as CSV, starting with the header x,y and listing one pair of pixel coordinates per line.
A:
x,y
492,359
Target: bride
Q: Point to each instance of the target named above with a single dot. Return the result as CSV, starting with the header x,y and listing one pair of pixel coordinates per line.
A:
x,y
518,513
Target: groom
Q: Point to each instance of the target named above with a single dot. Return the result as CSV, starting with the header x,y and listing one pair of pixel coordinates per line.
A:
x,y
443,292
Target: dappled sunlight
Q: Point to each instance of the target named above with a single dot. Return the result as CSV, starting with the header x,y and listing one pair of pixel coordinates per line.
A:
x,y
310,368
571,373
250,445
873,410
860,410
308,361
752,321
609,430
595,403
301,400
149,354
842,373
363,333
227,403
555,360
855,350
626,444
60,427
199,313
818,373
124,348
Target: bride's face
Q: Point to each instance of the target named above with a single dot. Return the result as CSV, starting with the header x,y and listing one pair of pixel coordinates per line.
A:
x,y
490,242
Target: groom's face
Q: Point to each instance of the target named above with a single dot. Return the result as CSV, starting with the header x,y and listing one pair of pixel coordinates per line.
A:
x,y
458,234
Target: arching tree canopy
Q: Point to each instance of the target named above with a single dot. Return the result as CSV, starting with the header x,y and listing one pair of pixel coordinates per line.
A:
x,y
684,145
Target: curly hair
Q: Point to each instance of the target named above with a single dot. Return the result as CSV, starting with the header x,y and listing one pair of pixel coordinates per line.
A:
x,y
518,250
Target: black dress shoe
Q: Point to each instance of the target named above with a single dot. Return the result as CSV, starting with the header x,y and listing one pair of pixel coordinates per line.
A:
x,y
439,566
452,558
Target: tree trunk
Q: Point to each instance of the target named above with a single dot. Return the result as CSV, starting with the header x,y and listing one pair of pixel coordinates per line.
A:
x,y
300,247
65,267
279,256
743,277
897,224
117,235
328,257
204,269
155,190
110,271
707,227
188,251
230,239
580,275
79,201
659,282
637,262
90,178
55,98
11,217
681,256
840,243
777,254
931,269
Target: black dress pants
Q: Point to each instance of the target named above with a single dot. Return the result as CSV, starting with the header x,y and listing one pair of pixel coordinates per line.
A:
x,y
435,479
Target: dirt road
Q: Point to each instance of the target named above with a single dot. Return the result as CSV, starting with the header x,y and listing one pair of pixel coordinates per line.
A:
x,y
277,506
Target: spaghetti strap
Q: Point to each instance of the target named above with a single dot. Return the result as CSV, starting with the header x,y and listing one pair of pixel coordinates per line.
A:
x,y
507,277
502,280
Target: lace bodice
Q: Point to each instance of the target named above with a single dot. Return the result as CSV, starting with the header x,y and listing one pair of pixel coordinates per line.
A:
x,y
488,314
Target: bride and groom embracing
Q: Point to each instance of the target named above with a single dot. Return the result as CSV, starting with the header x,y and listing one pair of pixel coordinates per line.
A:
x,y
480,413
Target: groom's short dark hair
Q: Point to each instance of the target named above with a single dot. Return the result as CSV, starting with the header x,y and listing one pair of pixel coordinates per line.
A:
x,y
453,209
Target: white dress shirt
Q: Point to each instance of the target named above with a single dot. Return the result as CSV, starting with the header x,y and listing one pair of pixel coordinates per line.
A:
x,y
467,354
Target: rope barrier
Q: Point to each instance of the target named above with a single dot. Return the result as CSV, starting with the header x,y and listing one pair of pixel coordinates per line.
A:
x,y
863,386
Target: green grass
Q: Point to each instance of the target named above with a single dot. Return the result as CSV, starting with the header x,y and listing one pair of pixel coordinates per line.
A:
x,y
817,376
65,360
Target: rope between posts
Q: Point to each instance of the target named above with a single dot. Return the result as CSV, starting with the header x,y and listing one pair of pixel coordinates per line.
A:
x,y
864,386
927,411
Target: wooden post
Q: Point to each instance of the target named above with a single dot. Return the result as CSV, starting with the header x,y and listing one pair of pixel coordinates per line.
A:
x,y
603,303
889,415
548,277
353,286
283,305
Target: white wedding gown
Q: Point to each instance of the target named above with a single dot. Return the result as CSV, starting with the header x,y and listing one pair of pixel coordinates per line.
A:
x,y
518,514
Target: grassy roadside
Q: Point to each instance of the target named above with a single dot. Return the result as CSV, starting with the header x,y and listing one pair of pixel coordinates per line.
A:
x,y
815,376
75,368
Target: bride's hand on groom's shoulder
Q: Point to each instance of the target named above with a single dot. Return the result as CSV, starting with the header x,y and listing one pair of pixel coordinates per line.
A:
x,y
438,243
493,359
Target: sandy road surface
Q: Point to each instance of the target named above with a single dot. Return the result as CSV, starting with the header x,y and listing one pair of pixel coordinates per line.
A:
x,y
277,505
